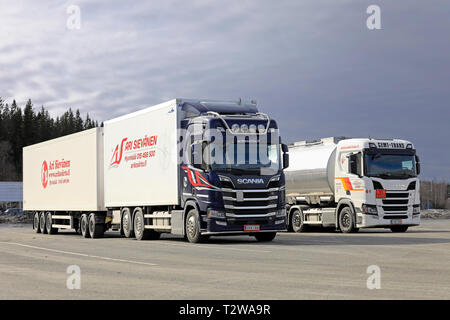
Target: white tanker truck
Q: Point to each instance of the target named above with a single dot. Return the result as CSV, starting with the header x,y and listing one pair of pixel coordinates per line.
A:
x,y
353,183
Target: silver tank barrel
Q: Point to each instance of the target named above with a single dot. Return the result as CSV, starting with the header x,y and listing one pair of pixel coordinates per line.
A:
x,y
311,169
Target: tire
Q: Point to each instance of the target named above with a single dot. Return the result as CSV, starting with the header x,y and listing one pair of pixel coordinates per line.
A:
x,y
265,236
48,224
36,224
84,226
96,230
296,221
347,222
43,223
140,232
192,227
399,228
127,223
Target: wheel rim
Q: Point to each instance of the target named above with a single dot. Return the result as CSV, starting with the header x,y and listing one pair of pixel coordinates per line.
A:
x,y
138,224
345,220
91,226
191,226
126,223
49,222
83,225
296,219
36,221
42,222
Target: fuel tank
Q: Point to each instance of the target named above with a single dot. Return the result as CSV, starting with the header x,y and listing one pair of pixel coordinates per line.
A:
x,y
311,167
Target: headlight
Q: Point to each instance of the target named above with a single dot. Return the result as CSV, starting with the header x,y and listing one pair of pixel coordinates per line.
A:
x,y
244,128
281,213
215,213
252,128
369,209
416,209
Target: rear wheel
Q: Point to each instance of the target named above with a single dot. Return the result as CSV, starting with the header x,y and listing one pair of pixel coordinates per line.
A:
x,y
399,228
96,230
297,221
265,236
36,226
347,222
193,227
127,223
139,227
84,226
42,222
49,223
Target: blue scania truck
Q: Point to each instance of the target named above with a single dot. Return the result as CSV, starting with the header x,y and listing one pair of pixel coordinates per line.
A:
x,y
196,168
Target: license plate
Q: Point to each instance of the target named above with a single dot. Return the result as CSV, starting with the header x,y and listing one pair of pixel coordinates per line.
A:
x,y
252,227
396,221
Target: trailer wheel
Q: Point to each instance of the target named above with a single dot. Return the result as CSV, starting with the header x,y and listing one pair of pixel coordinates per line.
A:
x,y
347,222
127,223
192,226
296,221
48,224
36,226
265,236
96,230
42,223
84,226
399,228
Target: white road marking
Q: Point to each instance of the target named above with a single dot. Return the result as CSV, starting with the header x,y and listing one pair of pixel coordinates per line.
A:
x,y
219,247
80,254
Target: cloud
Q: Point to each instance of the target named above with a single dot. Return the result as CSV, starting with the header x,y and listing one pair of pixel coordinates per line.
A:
x,y
312,65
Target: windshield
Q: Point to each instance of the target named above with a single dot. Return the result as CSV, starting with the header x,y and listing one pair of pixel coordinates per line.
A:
x,y
243,157
390,166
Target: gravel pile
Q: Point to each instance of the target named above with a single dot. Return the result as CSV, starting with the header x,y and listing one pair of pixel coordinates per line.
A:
x,y
435,214
16,218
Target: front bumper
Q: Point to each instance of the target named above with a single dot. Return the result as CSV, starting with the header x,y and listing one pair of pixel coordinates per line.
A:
x,y
373,221
236,225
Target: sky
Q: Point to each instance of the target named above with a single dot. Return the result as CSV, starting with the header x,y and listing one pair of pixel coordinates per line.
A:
x,y
312,65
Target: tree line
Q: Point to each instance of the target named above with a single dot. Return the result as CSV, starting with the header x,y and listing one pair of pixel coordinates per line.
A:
x,y
20,128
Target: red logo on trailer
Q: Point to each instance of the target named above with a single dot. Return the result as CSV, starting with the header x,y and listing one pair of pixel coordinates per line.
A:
x,y
117,155
44,174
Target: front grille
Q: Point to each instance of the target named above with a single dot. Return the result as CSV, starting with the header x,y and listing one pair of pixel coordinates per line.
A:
x,y
395,205
395,208
391,216
397,195
395,201
250,202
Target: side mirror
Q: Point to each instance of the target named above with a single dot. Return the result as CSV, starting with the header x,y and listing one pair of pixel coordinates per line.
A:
x,y
284,148
417,165
285,160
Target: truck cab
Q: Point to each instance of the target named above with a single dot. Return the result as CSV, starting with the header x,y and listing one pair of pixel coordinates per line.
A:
x,y
231,170
380,178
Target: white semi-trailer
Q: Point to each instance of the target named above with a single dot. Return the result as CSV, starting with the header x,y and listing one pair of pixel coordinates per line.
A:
x,y
157,170
353,183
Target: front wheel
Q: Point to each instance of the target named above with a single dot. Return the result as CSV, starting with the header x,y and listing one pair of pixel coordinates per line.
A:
x,y
193,228
265,236
297,221
347,222
399,228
